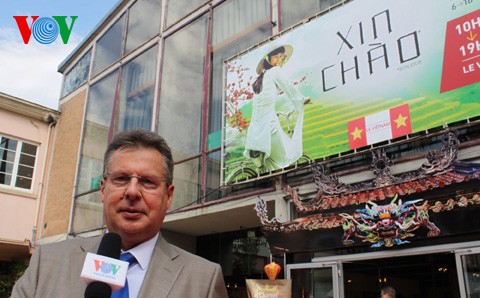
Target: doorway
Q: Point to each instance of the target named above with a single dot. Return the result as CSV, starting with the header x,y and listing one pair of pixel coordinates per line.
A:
x,y
417,276
315,280
441,271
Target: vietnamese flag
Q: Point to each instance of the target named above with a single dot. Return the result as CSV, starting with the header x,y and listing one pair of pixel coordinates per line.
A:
x,y
400,121
357,133
378,127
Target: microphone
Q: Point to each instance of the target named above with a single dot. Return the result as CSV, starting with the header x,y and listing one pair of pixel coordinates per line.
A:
x,y
104,272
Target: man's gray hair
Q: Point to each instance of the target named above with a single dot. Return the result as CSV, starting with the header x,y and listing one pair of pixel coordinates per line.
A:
x,y
388,290
140,138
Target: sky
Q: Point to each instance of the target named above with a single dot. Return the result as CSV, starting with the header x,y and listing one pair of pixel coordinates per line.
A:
x,y
29,71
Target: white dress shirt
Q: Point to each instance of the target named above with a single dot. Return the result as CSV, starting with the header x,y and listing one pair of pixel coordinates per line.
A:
x,y
136,273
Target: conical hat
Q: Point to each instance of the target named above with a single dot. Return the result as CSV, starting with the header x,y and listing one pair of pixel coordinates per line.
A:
x,y
287,55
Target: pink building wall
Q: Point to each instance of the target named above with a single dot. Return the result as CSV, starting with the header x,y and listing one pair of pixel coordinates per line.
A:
x,y
24,121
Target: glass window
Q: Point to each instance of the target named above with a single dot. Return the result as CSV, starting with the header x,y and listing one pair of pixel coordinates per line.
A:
x,y
17,163
176,10
294,11
242,254
108,48
88,213
97,124
143,23
181,89
137,89
313,282
77,75
237,25
213,176
186,181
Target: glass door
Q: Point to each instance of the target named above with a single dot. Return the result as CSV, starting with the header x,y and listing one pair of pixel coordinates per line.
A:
x,y
417,276
315,280
468,268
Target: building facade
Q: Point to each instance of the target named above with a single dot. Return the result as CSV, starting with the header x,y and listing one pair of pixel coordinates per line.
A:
x,y
166,66
26,135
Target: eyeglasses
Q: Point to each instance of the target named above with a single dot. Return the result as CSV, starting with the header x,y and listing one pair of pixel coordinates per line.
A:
x,y
149,183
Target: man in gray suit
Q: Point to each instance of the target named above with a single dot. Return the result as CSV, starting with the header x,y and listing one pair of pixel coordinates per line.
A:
x,y
136,192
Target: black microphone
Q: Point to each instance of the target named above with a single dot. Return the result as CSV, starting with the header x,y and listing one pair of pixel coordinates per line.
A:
x,y
110,246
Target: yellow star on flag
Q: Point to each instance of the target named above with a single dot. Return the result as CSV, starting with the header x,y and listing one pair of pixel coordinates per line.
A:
x,y
357,133
401,121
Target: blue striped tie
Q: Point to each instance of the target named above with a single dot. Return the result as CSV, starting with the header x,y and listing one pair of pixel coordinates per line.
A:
x,y
123,292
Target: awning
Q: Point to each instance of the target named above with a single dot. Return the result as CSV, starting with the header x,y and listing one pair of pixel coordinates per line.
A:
x,y
12,250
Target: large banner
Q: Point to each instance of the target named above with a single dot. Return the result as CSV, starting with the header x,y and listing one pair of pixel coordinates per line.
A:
x,y
366,72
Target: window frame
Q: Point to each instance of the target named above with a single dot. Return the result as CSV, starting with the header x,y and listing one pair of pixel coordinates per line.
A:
x,y
16,164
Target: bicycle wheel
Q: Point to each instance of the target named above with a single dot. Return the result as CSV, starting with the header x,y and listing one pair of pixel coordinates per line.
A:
x,y
241,174
304,160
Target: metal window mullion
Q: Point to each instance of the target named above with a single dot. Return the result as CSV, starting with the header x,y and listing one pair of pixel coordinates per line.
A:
x,y
460,277
7,163
205,107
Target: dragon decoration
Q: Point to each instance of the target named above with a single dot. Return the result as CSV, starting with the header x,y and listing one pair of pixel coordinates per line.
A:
x,y
380,225
387,225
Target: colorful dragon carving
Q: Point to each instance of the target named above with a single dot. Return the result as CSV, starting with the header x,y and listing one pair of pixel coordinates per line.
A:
x,y
389,224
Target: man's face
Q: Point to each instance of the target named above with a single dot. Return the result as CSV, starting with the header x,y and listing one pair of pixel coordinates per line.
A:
x,y
135,207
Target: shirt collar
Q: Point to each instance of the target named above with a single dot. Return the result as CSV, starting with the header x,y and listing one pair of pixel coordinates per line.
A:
x,y
143,252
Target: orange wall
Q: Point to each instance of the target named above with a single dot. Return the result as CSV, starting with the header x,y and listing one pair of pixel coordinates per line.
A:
x,y
61,180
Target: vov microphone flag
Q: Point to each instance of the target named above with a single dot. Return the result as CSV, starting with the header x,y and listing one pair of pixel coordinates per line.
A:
x,y
104,272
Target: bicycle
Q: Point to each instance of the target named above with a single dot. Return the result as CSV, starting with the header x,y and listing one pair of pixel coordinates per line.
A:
x,y
246,170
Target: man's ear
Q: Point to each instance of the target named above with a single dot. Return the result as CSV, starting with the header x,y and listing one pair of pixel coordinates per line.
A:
x,y
102,189
170,191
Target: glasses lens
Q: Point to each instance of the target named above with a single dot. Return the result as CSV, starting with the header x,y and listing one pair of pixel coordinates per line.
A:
x,y
149,183
145,182
120,180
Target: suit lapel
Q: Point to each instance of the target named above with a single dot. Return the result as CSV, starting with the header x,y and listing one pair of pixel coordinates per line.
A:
x,y
162,271
76,262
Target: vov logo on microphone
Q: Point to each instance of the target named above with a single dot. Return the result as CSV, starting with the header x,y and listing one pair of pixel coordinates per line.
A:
x,y
106,268
45,30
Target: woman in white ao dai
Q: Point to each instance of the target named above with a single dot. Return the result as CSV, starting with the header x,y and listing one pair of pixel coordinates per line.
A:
x,y
267,144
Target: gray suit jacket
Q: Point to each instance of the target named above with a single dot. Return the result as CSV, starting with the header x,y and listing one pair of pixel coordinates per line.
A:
x,y
55,269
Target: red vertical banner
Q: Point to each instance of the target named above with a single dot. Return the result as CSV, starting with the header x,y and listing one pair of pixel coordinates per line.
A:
x,y
357,133
400,121
461,57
